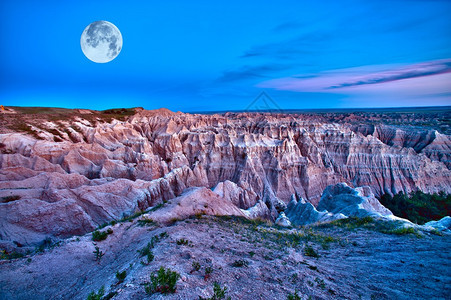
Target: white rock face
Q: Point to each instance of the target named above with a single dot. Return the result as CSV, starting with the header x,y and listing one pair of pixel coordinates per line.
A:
x,y
195,201
258,211
337,202
359,202
443,224
283,221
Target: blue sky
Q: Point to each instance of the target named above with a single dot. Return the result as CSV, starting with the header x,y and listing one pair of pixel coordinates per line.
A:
x,y
204,56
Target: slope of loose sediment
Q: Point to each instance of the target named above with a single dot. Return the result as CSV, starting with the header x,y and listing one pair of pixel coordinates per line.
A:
x,y
254,261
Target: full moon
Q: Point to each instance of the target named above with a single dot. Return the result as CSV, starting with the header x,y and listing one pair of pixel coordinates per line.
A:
x,y
101,41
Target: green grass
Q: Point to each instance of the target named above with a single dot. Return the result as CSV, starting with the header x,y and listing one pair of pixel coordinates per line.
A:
x,y
146,222
404,231
350,223
380,225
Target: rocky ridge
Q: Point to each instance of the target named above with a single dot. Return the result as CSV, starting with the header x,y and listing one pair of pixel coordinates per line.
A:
x,y
67,176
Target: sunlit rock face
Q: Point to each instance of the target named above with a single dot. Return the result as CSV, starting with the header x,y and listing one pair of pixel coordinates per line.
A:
x,y
74,175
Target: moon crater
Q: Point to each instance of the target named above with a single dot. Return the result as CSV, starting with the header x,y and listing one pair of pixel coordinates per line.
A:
x,y
101,41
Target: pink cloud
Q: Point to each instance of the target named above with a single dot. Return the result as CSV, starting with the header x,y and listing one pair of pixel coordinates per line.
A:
x,y
419,79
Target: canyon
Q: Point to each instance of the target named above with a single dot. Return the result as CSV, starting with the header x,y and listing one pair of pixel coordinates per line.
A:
x,y
263,205
66,172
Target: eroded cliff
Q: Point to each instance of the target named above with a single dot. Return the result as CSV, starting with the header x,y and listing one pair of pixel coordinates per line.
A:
x,y
68,175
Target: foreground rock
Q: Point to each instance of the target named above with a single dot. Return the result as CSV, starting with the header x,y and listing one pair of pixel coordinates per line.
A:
x,y
195,201
351,264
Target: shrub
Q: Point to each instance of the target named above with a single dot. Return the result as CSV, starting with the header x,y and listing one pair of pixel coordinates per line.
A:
x,y
208,271
98,253
240,263
46,243
196,267
184,242
294,296
101,235
146,251
121,276
164,281
218,293
10,255
97,296
145,222
309,251
320,283
417,206
130,218
156,207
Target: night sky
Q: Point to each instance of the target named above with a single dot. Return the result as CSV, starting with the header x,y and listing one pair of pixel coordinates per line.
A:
x,y
207,56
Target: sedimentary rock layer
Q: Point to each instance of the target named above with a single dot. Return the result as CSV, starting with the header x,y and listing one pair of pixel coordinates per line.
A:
x,y
68,176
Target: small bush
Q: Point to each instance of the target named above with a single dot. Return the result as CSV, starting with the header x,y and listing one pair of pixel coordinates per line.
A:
x,y
101,235
240,263
164,281
10,255
146,222
218,293
147,252
97,296
208,271
121,276
196,267
320,283
309,251
45,244
294,296
184,242
98,254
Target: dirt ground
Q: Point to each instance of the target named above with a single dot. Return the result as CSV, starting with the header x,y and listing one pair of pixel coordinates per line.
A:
x,y
253,260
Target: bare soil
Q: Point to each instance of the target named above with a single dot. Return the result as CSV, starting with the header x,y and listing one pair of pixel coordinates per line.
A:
x,y
352,264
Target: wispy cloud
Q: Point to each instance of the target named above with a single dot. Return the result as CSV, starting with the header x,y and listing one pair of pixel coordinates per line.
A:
x,y
249,72
418,70
288,26
335,80
303,45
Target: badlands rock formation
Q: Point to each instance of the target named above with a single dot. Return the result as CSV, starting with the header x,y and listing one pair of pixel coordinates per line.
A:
x,y
68,173
337,202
